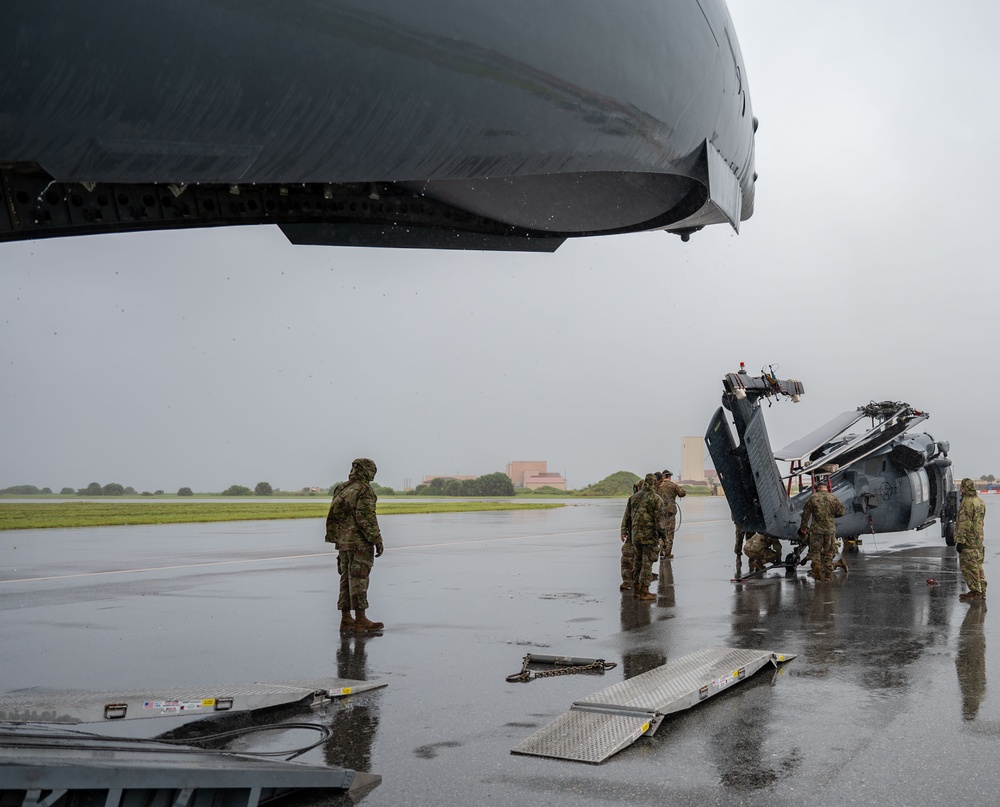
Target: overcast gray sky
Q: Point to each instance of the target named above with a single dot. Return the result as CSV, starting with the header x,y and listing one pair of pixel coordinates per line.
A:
x,y
228,356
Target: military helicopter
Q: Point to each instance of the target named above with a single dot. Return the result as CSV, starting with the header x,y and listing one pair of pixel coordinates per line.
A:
x,y
889,479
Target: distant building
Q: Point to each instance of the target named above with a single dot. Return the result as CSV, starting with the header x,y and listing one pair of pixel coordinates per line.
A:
x,y
693,460
533,475
693,470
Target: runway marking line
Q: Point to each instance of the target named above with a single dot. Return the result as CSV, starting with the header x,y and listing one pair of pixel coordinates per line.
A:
x,y
284,557
295,557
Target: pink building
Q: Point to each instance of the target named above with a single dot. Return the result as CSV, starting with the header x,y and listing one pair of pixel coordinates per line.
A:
x,y
533,475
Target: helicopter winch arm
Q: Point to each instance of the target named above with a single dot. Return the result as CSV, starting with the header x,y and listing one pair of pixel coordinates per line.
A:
x,y
741,385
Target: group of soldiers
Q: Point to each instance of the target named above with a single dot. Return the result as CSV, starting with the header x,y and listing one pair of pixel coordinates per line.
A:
x,y
647,530
819,528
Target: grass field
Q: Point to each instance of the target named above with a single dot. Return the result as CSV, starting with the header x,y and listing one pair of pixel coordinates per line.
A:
x,y
100,514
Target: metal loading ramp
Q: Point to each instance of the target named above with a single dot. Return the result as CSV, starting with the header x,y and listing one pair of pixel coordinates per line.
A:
x,y
608,721
41,766
37,705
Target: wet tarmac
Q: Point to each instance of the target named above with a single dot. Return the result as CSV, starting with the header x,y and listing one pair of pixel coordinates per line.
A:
x,y
888,701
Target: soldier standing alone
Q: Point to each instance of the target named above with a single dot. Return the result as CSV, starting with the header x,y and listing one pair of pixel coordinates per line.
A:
x,y
969,541
351,525
669,491
818,524
644,524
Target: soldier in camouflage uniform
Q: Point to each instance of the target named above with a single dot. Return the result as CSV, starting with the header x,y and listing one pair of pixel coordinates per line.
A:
x,y
761,550
628,560
352,526
644,524
841,547
669,491
969,541
818,524
741,536
628,550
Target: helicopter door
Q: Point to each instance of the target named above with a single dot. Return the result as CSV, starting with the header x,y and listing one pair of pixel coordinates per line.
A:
x,y
920,506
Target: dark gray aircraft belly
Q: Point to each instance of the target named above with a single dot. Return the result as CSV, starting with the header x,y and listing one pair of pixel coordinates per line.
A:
x,y
559,119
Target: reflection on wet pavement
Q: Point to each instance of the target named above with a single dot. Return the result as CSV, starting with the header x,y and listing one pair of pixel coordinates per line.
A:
x,y
885,702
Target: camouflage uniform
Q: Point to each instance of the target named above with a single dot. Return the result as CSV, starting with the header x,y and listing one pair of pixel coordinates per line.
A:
x,y
741,536
628,560
969,540
818,518
669,491
761,550
644,523
628,550
352,526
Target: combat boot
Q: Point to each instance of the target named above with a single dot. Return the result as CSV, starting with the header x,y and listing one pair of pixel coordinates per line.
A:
x,y
814,570
841,564
363,624
625,586
347,622
970,595
643,594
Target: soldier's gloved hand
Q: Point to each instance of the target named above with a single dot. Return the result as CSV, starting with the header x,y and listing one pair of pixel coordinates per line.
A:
x,y
803,532
379,549
959,547
624,538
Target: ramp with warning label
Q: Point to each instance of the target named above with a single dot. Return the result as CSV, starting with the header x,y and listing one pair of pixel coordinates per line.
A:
x,y
37,705
608,721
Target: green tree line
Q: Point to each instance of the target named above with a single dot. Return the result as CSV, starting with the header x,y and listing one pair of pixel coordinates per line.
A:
x,y
495,484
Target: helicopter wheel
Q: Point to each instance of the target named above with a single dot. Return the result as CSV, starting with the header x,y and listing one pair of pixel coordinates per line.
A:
x,y
949,534
851,544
